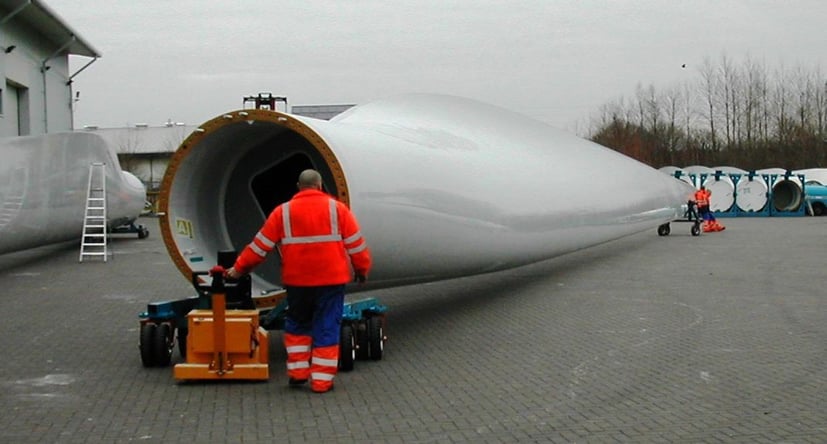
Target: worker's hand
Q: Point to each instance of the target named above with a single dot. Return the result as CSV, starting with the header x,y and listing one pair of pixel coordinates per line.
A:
x,y
232,273
360,278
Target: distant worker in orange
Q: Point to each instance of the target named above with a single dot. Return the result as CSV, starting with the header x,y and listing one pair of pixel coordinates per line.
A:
x,y
321,250
702,197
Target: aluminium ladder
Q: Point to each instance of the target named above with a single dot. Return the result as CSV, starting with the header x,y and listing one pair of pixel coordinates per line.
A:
x,y
93,241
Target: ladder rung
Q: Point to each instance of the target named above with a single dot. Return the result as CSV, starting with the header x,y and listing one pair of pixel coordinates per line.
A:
x,y
94,224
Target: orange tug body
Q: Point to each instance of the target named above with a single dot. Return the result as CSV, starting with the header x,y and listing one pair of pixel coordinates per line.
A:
x,y
224,344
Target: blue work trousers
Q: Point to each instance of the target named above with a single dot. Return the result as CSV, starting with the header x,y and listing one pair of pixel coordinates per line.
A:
x,y
316,312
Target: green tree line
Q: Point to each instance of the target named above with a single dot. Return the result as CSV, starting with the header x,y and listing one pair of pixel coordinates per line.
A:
x,y
743,115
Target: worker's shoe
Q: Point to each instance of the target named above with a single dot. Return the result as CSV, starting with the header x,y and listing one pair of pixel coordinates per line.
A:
x,y
322,389
293,382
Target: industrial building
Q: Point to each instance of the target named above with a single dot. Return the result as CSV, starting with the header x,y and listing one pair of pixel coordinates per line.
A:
x,y
36,93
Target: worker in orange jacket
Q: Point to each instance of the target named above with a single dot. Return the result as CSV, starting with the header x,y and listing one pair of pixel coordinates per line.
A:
x,y
702,198
321,250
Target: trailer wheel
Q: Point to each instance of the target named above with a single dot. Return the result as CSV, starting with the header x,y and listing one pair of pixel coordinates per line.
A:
x,y
696,230
143,232
347,349
376,337
362,343
163,344
664,230
147,345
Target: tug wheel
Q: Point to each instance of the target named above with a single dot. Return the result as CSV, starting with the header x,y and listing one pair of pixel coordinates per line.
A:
x,y
347,349
163,344
182,342
376,337
147,344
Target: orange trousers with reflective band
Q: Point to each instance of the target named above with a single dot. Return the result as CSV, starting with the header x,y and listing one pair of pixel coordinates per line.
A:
x,y
323,367
298,355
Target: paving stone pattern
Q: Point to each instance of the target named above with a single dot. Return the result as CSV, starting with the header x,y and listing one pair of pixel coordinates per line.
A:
x,y
716,338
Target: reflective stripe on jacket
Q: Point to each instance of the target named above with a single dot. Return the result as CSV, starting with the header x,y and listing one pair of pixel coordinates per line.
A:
x,y
318,238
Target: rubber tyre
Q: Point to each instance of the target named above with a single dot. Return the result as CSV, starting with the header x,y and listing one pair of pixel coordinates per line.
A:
x,y
664,230
347,349
147,344
376,337
362,343
696,230
163,345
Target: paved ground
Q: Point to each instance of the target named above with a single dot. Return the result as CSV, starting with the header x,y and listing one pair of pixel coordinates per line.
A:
x,y
719,338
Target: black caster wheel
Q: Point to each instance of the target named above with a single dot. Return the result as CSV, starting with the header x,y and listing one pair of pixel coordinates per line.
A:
x,y
376,337
347,349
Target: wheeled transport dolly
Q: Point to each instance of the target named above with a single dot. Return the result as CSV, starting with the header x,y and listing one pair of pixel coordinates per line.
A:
x,y
141,230
690,215
237,346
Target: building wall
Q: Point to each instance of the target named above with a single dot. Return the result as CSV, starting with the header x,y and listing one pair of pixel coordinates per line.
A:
x,y
36,98
149,169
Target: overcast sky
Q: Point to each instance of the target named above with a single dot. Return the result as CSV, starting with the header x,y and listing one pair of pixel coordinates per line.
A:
x,y
557,61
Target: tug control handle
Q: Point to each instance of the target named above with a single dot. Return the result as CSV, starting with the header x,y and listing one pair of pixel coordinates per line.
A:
x,y
217,272
219,305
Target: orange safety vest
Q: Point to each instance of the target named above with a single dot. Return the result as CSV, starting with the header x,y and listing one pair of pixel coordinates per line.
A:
x,y
702,198
318,238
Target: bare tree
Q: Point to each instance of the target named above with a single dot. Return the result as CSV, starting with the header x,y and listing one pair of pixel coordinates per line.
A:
x,y
709,85
777,119
729,78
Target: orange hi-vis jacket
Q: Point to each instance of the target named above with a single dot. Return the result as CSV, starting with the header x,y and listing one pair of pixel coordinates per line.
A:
x,y
319,241
702,198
